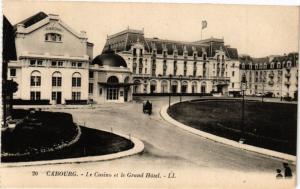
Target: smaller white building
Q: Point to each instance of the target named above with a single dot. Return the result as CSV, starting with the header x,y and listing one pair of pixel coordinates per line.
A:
x,y
110,78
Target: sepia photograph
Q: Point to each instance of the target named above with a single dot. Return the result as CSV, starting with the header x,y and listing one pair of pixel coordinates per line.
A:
x,y
148,95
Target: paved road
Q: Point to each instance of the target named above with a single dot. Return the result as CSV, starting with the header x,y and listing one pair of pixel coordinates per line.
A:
x,y
195,160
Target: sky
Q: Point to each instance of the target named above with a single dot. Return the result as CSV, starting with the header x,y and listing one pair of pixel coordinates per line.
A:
x,y
252,29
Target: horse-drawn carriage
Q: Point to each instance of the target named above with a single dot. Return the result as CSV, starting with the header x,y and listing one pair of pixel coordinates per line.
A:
x,y
147,107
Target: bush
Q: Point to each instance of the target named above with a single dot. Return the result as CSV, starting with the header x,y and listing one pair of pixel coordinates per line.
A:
x,y
30,102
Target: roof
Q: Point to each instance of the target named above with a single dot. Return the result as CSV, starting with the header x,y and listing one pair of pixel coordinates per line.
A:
x,y
246,59
109,58
33,19
122,41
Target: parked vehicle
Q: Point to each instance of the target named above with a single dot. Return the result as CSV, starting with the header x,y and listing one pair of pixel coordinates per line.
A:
x,y
147,107
268,94
258,94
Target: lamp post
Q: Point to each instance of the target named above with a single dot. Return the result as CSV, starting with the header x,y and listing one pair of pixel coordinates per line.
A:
x,y
263,90
180,79
244,86
170,76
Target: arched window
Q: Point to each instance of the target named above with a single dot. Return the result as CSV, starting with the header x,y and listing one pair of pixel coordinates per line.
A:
x,y
112,79
35,78
243,66
272,65
76,80
56,79
54,37
184,85
164,86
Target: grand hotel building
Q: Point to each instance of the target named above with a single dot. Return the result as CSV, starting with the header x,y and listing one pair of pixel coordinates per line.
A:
x,y
164,66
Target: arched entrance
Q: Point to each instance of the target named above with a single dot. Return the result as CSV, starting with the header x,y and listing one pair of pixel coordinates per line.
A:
x,y
184,85
164,86
194,87
112,88
153,84
174,86
203,87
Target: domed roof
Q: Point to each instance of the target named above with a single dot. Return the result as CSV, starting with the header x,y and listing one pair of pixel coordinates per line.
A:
x,y
109,58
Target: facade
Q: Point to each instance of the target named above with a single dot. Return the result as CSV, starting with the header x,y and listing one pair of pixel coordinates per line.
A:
x,y
166,66
274,74
52,60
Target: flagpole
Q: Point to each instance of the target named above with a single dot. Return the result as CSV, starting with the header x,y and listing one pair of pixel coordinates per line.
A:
x,y
201,32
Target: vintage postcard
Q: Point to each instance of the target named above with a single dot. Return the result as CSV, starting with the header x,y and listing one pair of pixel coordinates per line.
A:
x,y
149,95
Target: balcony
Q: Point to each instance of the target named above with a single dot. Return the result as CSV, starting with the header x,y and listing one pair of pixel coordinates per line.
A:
x,y
288,68
288,75
141,75
271,75
271,83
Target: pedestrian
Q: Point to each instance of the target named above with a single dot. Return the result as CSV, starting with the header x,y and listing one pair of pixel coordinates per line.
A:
x,y
287,171
279,175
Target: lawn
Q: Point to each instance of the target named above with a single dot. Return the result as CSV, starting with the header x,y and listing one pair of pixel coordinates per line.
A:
x,y
49,129
91,143
268,125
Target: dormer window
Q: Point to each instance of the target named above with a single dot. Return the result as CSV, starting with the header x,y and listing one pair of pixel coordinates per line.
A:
x,y
53,37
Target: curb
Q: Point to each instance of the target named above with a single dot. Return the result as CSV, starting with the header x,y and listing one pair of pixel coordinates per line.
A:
x,y
275,154
137,148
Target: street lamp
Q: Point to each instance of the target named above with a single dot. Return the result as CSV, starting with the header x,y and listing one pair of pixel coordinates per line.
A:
x,y
170,76
263,90
180,79
244,86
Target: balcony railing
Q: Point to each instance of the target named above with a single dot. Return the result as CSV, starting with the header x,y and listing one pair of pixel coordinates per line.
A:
x,y
271,75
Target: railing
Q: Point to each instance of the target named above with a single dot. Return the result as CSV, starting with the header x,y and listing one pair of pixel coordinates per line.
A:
x,y
271,75
288,75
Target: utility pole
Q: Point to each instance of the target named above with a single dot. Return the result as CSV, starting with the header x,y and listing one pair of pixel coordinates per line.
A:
x,y
170,76
244,86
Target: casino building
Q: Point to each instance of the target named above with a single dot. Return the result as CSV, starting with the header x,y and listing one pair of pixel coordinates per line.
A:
x,y
52,60
167,66
277,75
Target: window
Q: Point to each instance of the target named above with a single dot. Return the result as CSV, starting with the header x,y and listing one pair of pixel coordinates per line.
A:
x,y
39,62
218,58
165,68
32,62
35,78
204,56
184,68
12,72
76,95
134,51
56,79
79,64
232,74
60,63
278,65
91,74
73,64
232,85
76,80
53,37
100,91
272,65
91,88
175,68
53,63
35,95
140,66
134,65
